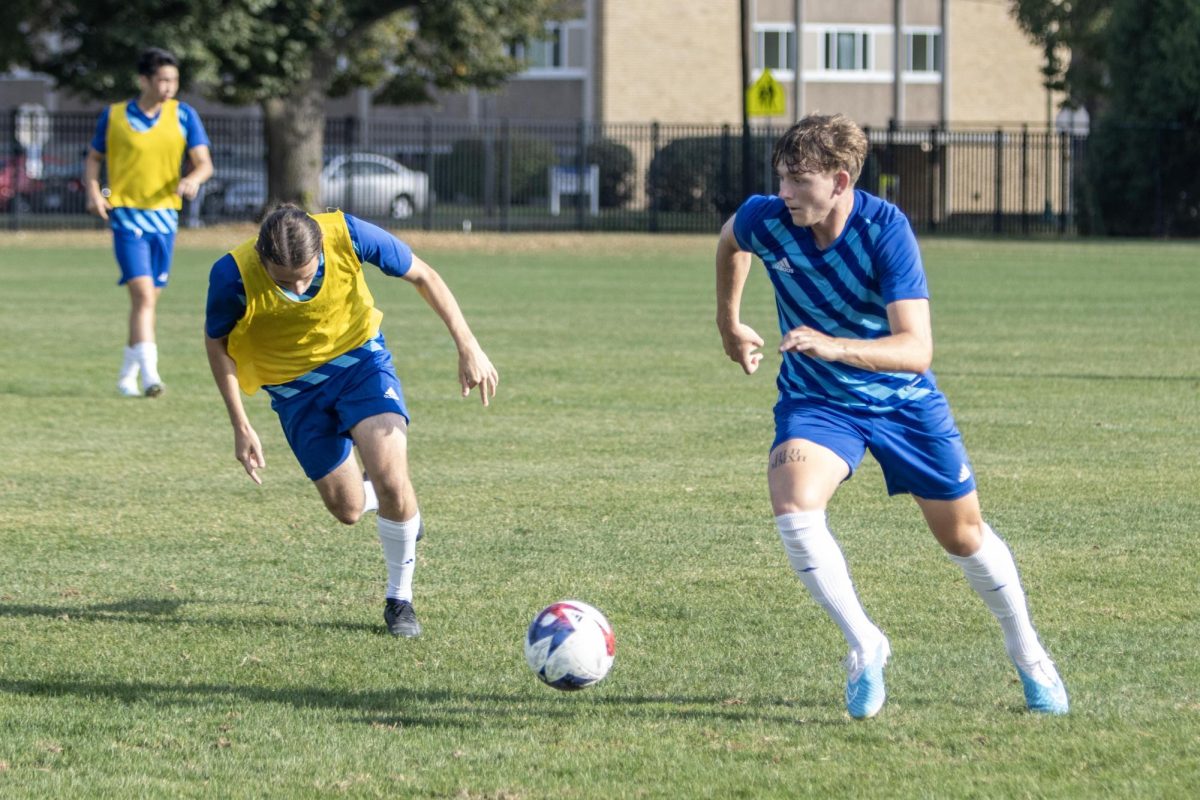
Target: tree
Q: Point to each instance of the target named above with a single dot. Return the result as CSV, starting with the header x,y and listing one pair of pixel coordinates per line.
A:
x,y
287,56
1074,37
1135,66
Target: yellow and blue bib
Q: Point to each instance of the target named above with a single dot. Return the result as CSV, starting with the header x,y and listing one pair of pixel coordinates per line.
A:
x,y
144,166
279,338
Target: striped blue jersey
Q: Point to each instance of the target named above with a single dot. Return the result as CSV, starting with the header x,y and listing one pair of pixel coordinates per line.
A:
x,y
159,220
843,291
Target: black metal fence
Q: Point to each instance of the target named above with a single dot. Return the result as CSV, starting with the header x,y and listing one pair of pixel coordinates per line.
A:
x,y
506,175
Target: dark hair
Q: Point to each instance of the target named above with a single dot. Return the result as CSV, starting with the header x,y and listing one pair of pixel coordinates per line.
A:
x,y
822,143
288,237
152,58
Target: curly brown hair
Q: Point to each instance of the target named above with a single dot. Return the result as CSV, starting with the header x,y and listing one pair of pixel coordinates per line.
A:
x,y
822,143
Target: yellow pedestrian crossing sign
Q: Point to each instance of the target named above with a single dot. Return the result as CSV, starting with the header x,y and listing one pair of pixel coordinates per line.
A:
x,y
765,98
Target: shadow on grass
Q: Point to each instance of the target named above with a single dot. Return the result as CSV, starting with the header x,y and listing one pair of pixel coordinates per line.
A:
x,y
165,611
402,707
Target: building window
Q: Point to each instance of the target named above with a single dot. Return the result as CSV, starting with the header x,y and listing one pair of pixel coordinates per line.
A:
x,y
560,50
847,50
775,48
924,50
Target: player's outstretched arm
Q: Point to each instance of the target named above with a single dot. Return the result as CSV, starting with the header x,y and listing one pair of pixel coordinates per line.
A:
x,y
733,267
474,367
247,448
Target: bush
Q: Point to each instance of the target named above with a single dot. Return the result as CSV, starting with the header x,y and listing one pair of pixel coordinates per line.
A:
x,y
616,164
460,175
704,173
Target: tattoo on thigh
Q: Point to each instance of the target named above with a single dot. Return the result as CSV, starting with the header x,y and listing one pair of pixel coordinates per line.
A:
x,y
792,455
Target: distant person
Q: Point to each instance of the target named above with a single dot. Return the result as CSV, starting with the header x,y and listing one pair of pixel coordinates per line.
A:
x,y
856,350
290,311
143,143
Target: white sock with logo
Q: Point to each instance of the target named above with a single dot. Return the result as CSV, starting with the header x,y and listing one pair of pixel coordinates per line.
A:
x,y
147,356
821,567
992,573
129,367
399,540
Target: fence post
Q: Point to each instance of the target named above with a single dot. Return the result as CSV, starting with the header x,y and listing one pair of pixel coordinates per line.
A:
x,y
489,169
652,189
998,218
1064,178
581,185
1025,179
506,176
9,152
931,179
350,141
429,162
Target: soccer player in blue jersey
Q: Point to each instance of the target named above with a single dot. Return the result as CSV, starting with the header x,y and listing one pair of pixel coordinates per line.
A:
x,y
290,312
856,350
143,143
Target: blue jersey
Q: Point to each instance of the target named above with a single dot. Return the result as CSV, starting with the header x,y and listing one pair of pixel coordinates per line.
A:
x,y
162,220
842,290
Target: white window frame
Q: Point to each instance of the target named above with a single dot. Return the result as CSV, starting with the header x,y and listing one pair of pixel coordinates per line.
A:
x,y
562,29
869,73
923,75
789,45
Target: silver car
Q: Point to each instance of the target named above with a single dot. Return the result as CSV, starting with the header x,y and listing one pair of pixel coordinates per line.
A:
x,y
371,185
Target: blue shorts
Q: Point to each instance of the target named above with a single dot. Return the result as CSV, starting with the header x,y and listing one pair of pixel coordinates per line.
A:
x,y
317,422
143,255
918,445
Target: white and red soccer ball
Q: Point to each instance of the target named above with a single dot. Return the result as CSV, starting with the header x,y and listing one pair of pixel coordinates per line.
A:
x,y
569,645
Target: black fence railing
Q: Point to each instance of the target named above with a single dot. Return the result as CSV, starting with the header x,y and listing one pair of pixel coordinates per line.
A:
x,y
506,175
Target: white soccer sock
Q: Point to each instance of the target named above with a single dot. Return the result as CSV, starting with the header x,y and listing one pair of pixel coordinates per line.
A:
x,y
399,540
370,499
992,573
821,567
129,366
147,356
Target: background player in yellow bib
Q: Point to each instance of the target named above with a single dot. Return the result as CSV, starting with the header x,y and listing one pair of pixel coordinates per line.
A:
x,y
290,312
143,143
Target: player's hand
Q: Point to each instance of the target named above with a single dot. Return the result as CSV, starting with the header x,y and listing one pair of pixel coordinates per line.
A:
x,y
98,204
810,342
248,450
741,344
187,188
475,369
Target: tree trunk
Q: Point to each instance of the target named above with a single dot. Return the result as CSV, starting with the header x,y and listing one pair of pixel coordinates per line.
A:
x,y
295,132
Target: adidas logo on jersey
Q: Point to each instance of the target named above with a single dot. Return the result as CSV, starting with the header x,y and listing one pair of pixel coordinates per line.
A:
x,y
391,393
783,265
964,474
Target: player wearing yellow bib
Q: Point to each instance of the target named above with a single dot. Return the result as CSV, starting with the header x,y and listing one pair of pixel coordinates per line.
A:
x,y
290,312
143,143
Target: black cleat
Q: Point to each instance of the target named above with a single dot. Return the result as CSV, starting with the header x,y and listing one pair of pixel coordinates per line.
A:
x,y
401,619
155,390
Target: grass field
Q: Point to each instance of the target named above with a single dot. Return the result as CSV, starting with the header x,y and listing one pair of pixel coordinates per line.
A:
x,y
168,629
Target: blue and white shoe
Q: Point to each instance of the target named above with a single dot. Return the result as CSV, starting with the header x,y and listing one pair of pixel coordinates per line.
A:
x,y
865,692
1044,690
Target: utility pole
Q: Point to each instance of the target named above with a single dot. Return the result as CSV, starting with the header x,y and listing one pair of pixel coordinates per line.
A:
x,y
747,158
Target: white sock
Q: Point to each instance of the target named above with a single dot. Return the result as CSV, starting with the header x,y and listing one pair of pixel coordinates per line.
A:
x,y
992,573
147,356
399,540
371,500
129,366
821,567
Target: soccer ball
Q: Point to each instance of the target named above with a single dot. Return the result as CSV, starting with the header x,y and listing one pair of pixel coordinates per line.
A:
x,y
569,645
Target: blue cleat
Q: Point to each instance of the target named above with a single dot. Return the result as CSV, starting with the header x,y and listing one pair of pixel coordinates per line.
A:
x,y
1044,690
865,692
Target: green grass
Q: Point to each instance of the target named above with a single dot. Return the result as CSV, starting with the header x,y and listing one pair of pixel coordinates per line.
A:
x,y
168,629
